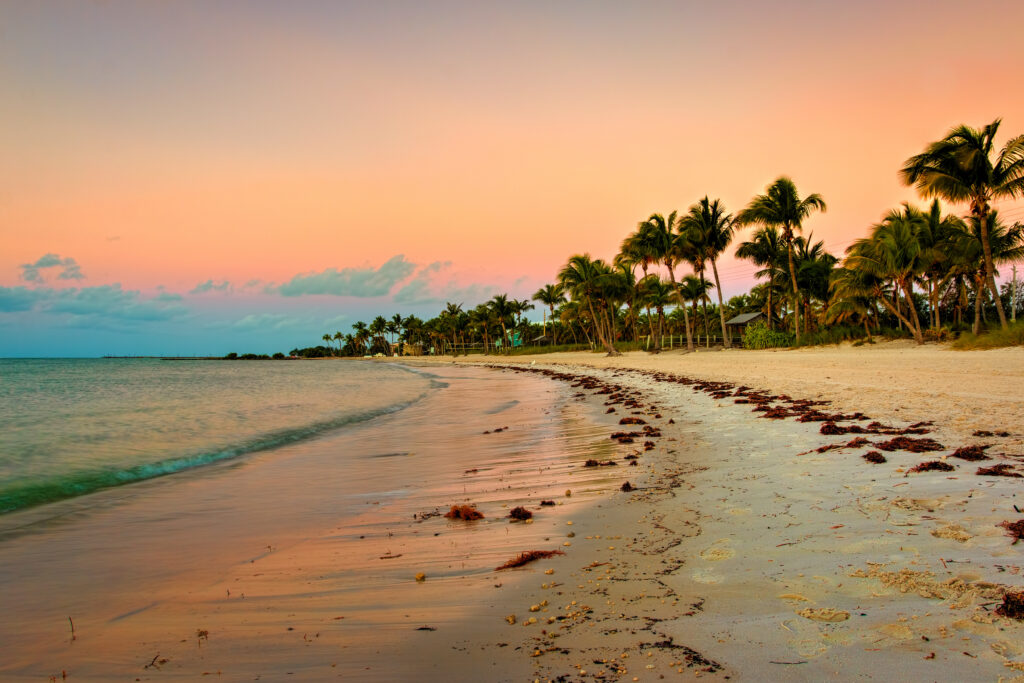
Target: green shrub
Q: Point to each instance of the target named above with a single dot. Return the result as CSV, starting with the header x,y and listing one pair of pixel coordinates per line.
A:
x,y
760,337
836,334
993,339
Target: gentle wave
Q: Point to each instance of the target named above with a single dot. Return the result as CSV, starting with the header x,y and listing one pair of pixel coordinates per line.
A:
x,y
21,496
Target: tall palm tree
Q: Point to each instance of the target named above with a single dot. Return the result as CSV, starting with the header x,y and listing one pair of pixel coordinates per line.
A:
x,y
1007,245
550,295
960,168
327,340
503,310
654,292
782,207
711,231
670,245
339,337
936,234
892,252
377,329
583,278
767,251
694,290
813,270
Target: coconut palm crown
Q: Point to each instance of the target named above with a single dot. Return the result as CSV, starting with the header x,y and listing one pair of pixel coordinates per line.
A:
x,y
782,207
960,168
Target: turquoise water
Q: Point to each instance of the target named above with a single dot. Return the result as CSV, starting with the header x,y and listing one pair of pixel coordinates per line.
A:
x,y
71,427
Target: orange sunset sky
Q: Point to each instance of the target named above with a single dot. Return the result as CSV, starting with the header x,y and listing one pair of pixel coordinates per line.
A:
x,y
170,168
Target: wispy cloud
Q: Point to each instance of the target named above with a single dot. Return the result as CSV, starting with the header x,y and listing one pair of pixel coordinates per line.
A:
x,y
425,288
105,302
33,272
357,282
211,286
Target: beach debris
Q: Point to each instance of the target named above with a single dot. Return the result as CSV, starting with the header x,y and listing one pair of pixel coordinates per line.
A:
x,y
627,487
154,663
1013,605
73,636
826,614
421,577
1000,470
427,628
568,493
874,456
547,503
520,513
932,466
528,556
201,635
858,442
905,443
389,556
632,421
464,512
511,619
610,410
1014,529
985,432
794,596
591,463
971,453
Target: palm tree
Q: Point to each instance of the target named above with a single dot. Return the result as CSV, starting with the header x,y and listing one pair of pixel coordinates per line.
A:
x,y
936,234
339,337
782,207
813,270
582,277
670,246
377,329
654,292
694,290
765,250
711,231
503,310
327,341
1007,245
960,168
892,252
362,335
550,296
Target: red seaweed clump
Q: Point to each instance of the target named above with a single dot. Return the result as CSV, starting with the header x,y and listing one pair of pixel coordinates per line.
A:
x,y
1013,605
547,503
464,512
971,453
520,513
527,557
905,443
874,456
1000,470
627,487
1014,529
632,421
932,466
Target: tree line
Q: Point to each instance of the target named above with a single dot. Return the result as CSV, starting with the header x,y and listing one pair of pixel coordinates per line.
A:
x,y
918,269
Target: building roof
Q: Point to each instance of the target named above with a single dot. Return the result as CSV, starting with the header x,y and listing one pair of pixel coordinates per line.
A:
x,y
744,318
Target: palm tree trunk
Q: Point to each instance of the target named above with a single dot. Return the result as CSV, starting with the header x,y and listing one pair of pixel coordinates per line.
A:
x,y
686,316
796,289
976,329
916,322
721,306
990,279
600,333
771,286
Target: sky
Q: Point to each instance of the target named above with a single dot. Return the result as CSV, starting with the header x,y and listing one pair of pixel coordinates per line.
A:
x,y
185,178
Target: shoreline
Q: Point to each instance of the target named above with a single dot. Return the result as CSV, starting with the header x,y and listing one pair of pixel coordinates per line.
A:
x,y
737,526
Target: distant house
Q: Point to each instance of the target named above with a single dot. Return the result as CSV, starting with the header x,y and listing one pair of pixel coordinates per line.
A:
x,y
739,323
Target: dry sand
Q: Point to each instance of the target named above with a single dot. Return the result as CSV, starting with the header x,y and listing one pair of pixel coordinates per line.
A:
x,y
748,555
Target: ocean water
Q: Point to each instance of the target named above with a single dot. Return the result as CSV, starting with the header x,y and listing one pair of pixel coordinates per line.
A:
x,y
72,427
314,512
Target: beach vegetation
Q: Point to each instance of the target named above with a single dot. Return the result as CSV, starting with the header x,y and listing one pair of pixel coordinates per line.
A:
x,y
919,272
760,336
